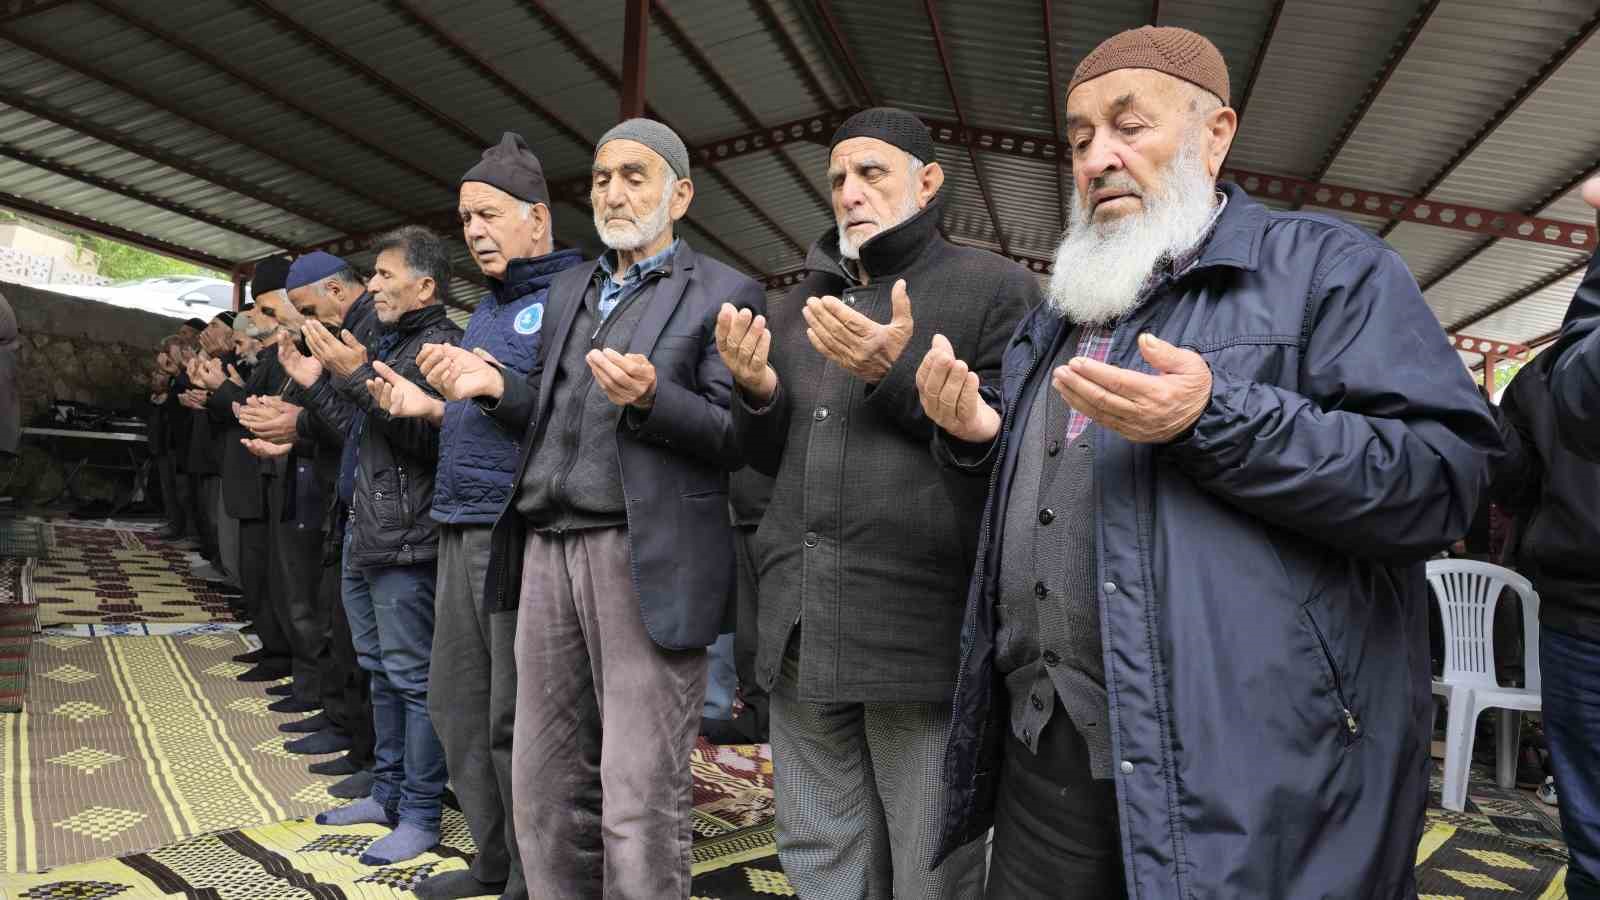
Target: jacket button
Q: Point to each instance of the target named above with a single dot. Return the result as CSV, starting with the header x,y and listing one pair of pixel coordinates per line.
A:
x,y
1046,516
1027,736
811,539
377,495
1054,448
1037,703
1052,658
1127,767
1040,591
820,413
1110,586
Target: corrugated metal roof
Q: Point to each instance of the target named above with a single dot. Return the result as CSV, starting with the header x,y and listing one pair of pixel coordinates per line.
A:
x,y
1320,62
208,142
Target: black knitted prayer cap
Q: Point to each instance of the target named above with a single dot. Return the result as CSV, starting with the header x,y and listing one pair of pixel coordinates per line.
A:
x,y
890,125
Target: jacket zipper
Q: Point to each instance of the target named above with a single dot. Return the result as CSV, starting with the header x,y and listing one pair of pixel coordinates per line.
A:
x,y
1351,724
405,498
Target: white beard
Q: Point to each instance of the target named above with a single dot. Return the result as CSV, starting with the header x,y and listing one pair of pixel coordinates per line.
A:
x,y
1100,268
630,236
851,249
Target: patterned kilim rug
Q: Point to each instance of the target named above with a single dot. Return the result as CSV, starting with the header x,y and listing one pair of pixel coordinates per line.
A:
x,y
130,743
734,852
113,574
1512,813
20,538
18,617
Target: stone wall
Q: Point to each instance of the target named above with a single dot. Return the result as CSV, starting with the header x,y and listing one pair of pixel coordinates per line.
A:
x,y
82,350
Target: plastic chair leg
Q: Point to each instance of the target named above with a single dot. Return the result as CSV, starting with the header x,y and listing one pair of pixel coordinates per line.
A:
x,y
1508,739
1457,752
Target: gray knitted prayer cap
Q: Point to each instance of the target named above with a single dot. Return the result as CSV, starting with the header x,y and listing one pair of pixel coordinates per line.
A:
x,y
658,137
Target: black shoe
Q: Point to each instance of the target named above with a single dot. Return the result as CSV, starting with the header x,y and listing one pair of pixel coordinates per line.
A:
x,y
168,533
341,766
264,672
280,690
306,726
252,657
248,628
1530,769
323,742
355,787
292,704
456,884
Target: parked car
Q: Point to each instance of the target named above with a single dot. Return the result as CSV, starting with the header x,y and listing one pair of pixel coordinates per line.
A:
x,y
177,296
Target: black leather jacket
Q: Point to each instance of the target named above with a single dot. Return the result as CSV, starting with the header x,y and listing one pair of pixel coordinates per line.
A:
x,y
395,467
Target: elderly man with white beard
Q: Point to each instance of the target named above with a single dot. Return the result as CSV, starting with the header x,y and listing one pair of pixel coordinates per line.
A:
x,y
866,547
1217,460
615,545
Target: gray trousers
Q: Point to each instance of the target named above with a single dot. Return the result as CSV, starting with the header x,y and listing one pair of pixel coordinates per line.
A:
x,y
227,538
472,700
859,794
606,721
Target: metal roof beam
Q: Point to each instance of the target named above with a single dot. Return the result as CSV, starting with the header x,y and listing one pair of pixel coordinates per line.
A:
x,y
955,103
145,197
1544,202
266,89
603,71
1573,45
1555,277
1261,54
1056,120
831,23
21,9
235,136
172,161
356,65
635,58
1471,344
1421,210
697,57
791,51
32,208
1392,62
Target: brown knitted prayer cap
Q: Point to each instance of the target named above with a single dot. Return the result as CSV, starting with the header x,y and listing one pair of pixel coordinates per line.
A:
x,y
1178,52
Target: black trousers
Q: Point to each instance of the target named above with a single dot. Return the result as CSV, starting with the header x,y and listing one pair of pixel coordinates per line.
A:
x,y
346,688
203,512
746,634
1055,830
302,610
174,500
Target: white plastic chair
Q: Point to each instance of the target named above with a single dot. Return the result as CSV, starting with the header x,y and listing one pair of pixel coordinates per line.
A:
x,y
1467,592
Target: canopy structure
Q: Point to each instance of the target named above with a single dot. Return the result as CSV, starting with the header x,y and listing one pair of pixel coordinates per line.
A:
x,y
221,131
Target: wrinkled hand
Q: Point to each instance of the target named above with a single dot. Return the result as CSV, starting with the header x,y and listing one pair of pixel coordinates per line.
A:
x,y
216,341
194,398
400,397
1145,409
949,392
627,380
208,374
744,342
460,374
854,342
305,370
266,449
234,376
270,418
341,355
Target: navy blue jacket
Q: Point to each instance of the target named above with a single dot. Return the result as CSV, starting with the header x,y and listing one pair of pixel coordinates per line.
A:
x,y
1260,579
675,459
477,459
1575,376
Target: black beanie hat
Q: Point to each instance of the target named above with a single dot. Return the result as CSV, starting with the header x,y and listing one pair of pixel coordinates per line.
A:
x,y
511,167
890,125
196,324
271,275
225,317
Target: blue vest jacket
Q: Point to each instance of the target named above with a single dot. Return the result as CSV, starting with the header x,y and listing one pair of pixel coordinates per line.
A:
x,y
477,459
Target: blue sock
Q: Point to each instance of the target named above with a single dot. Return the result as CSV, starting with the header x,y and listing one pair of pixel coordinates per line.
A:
x,y
401,844
362,812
